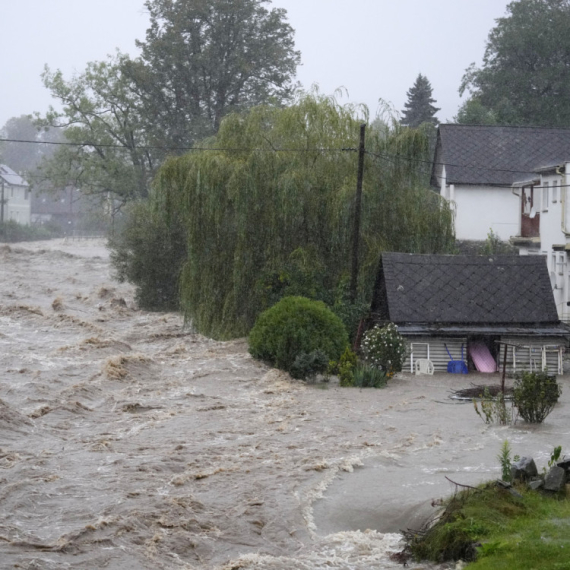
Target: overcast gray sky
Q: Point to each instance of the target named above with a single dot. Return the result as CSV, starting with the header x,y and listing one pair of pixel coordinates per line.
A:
x,y
373,48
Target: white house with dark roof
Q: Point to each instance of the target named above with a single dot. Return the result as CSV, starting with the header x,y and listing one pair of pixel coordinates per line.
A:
x,y
513,181
14,197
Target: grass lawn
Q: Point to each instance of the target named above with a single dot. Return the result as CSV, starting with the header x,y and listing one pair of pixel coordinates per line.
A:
x,y
501,530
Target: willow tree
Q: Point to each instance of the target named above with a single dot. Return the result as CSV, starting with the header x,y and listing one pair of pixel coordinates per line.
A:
x,y
276,187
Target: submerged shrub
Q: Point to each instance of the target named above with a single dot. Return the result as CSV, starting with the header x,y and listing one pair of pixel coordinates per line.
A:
x,y
384,348
366,376
494,409
344,367
294,327
308,365
535,395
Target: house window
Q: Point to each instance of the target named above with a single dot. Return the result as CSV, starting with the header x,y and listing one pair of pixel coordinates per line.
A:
x,y
545,196
555,191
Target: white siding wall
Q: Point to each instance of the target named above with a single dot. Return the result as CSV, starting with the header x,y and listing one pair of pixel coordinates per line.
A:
x,y
479,209
437,353
552,200
17,207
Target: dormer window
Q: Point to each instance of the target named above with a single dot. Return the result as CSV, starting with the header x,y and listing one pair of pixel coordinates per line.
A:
x,y
545,196
555,191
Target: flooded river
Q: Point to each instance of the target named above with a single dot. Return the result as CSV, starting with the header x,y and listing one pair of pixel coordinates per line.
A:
x,y
128,442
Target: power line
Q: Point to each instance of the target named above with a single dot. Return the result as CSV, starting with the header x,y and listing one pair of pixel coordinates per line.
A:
x,y
187,148
292,150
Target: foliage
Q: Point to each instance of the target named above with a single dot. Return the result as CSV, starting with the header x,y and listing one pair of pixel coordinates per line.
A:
x,y
308,364
554,456
149,252
277,222
344,367
504,458
350,313
525,76
296,326
495,246
500,529
493,410
535,395
367,376
384,348
11,232
100,114
203,60
473,112
419,107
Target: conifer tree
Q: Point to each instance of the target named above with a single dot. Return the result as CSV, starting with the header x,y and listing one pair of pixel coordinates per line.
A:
x,y
419,107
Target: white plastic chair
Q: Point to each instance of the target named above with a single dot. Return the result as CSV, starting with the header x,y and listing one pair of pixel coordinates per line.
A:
x,y
423,366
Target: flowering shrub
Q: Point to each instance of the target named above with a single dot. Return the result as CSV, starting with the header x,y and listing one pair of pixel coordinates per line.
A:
x,y
384,348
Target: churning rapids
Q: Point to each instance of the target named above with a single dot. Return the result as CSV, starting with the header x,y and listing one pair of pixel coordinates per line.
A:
x,y
128,442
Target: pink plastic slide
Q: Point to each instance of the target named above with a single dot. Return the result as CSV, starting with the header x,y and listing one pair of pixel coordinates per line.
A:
x,y
481,357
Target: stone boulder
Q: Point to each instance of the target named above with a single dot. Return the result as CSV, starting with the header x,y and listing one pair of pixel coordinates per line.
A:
x,y
524,469
555,479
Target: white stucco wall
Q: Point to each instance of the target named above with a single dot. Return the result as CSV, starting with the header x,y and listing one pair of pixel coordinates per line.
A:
x,y
552,234
17,206
479,209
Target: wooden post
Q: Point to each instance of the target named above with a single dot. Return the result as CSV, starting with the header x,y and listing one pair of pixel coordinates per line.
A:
x,y
357,208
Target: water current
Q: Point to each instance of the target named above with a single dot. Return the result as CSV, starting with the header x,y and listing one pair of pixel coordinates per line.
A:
x,y
129,442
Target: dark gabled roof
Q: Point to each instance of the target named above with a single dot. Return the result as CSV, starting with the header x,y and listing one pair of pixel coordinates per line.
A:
x,y
491,155
460,289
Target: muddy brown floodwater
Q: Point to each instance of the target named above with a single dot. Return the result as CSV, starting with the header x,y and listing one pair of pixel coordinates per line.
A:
x,y
128,442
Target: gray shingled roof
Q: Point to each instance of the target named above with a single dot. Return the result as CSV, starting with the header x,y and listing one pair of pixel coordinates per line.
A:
x,y
467,289
487,155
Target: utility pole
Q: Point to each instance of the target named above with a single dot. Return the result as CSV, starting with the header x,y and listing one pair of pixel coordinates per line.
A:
x,y
357,208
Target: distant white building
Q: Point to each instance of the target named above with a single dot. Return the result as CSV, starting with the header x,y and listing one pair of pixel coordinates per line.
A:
x,y
14,197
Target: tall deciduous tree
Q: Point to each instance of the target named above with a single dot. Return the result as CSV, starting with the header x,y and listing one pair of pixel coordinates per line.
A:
x,y
419,107
101,118
203,59
525,77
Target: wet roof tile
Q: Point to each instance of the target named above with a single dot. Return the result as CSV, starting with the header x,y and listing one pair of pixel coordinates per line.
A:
x,y
468,289
496,155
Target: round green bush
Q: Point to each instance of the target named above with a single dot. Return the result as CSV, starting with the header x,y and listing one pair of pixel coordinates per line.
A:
x,y
296,326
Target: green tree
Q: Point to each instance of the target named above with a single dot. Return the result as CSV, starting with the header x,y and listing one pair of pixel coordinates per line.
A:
x,y
525,76
203,59
101,116
248,212
419,107
472,112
